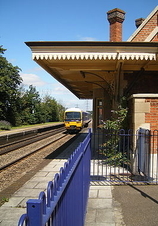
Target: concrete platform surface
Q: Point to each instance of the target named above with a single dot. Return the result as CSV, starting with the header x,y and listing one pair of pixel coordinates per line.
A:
x,y
100,211
130,205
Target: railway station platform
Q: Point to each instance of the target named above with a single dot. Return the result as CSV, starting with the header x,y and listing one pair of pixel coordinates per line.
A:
x,y
33,127
6,135
100,211
108,205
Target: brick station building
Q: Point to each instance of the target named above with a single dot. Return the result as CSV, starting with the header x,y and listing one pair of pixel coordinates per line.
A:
x,y
106,71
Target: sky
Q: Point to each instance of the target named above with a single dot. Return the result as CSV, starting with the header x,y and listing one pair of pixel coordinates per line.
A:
x,y
51,20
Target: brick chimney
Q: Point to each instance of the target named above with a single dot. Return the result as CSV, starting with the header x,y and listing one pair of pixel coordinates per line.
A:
x,y
139,21
116,17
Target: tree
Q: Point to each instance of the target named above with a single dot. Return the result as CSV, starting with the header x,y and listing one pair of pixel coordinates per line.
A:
x,y
51,108
19,106
10,81
60,112
30,106
54,110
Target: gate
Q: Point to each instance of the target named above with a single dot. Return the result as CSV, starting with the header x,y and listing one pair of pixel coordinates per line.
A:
x,y
120,157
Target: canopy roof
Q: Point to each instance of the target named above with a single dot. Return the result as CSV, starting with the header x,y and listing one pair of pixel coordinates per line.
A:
x,y
84,66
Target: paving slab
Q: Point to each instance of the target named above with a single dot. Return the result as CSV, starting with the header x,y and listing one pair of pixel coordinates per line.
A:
x,y
101,209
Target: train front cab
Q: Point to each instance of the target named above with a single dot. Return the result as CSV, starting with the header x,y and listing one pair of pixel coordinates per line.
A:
x,y
73,120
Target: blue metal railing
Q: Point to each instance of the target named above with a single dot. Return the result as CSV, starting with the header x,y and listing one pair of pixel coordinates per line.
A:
x,y
65,201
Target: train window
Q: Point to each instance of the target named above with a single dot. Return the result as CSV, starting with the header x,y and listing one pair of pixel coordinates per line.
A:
x,y
73,115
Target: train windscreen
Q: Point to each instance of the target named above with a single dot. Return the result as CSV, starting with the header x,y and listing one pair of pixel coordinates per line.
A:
x,y
73,115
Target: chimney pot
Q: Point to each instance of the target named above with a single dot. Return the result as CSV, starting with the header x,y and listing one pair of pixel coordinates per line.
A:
x,y
139,21
116,17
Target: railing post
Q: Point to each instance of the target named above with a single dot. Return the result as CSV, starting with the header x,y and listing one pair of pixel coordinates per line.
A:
x,y
67,195
34,212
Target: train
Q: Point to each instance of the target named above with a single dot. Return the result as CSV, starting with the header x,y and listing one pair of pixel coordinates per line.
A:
x,y
75,119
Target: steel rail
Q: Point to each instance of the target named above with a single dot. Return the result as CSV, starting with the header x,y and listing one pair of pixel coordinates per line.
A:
x,y
29,154
4,149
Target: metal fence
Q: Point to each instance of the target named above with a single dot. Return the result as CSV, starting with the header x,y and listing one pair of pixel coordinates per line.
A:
x,y
148,154
65,200
123,156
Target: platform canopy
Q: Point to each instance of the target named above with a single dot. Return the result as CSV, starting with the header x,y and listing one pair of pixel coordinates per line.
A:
x,y
85,66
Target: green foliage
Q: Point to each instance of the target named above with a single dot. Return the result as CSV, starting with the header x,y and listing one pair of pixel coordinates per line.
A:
x,y
9,83
110,149
29,106
22,107
34,110
61,110
4,125
50,105
53,110
5,199
119,116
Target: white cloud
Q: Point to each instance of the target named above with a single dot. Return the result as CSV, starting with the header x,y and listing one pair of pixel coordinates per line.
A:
x,y
88,39
35,69
66,98
60,90
56,90
32,79
82,104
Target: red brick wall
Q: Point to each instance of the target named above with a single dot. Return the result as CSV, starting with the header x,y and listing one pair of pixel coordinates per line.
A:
x,y
155,39
152,117
116,32
147,29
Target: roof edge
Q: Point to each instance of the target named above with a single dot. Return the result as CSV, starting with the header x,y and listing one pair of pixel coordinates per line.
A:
x,y
143,24
90,43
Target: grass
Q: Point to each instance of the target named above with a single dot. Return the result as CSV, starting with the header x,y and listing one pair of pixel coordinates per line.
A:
x,y
28,126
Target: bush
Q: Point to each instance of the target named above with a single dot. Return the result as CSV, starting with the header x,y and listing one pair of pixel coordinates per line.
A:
x,y
4,125
110,149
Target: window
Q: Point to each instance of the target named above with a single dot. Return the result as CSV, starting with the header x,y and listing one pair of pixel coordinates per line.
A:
x,y
99,111
73,115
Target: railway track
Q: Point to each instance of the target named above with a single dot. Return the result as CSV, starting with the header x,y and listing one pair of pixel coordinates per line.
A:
x,y
14,175
11,146
24,150
26,160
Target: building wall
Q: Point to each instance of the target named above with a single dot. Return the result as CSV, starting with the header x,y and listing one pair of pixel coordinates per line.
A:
x,y
144,111
141,82
152,116
143,103
155,39
144,114
147,30
101,107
